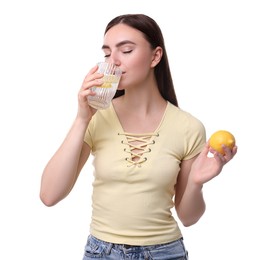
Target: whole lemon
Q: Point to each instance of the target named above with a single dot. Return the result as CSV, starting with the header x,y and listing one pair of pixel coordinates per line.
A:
x,y
221,137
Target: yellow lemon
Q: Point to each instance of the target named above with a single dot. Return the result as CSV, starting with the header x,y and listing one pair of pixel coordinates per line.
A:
x,y
106,85
221,137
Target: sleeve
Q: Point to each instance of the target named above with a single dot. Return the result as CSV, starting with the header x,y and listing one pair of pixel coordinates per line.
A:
x,y
88,138
195,138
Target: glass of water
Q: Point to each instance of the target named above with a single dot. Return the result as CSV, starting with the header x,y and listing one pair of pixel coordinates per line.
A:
x,y
105,92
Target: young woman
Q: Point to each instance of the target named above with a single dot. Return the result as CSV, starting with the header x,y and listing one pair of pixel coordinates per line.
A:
x,y
149,154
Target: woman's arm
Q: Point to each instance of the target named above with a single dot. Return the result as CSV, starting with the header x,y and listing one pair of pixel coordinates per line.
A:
x,y
189,201
61,172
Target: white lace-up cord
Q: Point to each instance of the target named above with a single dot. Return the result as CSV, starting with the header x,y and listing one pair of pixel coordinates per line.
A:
x,y
137,146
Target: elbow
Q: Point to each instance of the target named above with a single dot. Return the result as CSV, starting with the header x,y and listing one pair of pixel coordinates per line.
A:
x,y
47,200
50,197
189,222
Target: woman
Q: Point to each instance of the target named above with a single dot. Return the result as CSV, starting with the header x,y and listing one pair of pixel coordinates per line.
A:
x,y
149,155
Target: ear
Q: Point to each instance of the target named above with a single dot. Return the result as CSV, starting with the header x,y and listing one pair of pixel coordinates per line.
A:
x,y
157,55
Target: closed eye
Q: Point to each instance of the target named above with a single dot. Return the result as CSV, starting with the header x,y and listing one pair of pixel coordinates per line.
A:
x,y
126,52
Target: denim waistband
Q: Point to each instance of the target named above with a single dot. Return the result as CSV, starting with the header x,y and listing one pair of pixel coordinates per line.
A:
x,y
106,250
126,246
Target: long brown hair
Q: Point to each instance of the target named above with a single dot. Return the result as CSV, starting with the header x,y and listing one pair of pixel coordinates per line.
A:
x,y
153,35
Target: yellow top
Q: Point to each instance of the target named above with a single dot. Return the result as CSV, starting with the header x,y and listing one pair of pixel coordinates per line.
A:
x,y
133,188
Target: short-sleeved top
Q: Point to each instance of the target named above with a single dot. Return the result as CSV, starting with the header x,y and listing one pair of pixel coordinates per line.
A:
x,y
135,175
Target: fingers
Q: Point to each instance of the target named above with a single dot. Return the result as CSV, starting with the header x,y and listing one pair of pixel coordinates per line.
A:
x,y
220,158
227,156
234,150
229,153
205,150
92,79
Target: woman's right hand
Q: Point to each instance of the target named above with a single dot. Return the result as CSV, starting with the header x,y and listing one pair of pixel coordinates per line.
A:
x,y
85,111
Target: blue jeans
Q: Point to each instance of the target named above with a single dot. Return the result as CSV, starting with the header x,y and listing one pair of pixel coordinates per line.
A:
x,y
98,249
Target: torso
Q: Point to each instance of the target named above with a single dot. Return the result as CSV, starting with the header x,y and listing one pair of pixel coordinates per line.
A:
x,y
135,192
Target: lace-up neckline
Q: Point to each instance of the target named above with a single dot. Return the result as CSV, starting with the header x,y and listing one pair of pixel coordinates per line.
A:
x,y
136,146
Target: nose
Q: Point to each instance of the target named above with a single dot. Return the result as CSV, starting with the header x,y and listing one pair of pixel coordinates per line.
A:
x,y
114,59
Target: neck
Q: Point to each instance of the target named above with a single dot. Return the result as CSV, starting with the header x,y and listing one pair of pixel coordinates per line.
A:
x,y
142,98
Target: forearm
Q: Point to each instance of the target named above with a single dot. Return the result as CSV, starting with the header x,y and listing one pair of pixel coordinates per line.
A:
x,y
62,170
192,205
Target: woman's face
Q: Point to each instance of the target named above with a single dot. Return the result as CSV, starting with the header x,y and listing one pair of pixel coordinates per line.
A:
x,y
127,48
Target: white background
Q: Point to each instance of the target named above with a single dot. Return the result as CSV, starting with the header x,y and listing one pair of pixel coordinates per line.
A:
x,y
47,47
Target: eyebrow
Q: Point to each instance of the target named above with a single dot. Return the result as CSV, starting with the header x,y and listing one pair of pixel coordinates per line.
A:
x,y
118,44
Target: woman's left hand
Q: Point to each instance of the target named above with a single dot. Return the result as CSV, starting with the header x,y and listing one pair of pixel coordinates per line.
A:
x,y
206,167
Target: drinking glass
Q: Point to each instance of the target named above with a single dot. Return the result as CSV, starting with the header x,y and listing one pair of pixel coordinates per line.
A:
x,y
105,92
